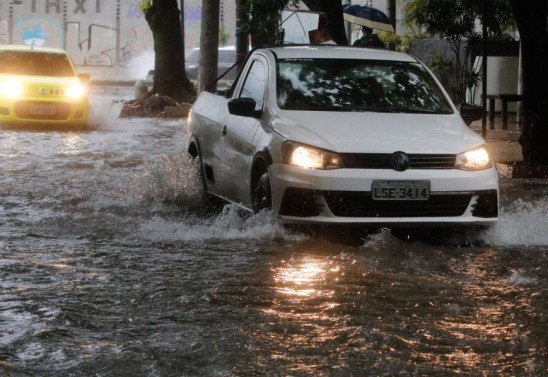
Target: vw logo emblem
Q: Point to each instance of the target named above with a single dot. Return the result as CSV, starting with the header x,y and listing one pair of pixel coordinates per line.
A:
x,y
399,161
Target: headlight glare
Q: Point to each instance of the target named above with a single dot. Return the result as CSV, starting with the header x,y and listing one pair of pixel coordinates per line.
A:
x,y
309,157
475,159
10,88
75,91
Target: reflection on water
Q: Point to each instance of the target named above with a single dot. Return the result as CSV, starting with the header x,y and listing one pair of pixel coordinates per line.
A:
x,y
71,141
302,279
107,267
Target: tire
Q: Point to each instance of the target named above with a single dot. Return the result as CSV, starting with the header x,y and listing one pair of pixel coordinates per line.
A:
x,y
199,169
211,203
262,194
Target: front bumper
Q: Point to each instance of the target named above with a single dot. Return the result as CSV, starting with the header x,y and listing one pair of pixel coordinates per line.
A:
x,y
344,196
34,112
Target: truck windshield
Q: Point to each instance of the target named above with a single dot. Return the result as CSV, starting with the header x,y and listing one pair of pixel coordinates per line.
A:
x,y
358,85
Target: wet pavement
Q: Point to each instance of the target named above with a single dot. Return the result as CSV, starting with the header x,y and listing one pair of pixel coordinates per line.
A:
x,y
110,267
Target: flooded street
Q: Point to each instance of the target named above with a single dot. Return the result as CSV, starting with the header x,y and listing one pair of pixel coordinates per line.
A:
x,y
109,267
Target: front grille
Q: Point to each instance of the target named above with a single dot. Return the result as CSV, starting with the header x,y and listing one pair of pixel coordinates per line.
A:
x,y
361,204
42,110
382,161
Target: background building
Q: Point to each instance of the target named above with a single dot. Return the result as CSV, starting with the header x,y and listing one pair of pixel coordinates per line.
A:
x,y
109,38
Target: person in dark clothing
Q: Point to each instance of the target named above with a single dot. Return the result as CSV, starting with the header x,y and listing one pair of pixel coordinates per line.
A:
x,y
369,39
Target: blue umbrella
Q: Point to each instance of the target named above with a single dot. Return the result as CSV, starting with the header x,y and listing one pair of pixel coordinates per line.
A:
x,y
367,16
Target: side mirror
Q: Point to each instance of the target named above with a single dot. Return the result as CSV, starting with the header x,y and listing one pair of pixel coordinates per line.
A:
x,y
84,76
244,107
470,113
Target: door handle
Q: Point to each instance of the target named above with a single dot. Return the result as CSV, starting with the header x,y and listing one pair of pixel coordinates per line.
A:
x,y
223,132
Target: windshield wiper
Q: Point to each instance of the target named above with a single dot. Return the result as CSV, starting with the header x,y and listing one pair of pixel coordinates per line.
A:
x,y
314,106
413,110
408,110
375,109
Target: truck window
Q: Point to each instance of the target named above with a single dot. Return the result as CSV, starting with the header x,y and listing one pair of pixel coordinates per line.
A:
x,y
255,83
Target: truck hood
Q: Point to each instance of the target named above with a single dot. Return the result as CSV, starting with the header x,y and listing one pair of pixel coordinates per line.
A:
x,y
369,132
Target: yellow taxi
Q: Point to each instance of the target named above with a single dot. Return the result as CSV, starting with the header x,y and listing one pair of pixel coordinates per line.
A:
x,y
40,86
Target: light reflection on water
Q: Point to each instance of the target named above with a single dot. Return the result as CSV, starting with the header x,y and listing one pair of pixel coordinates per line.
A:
x,y
302,279
107,268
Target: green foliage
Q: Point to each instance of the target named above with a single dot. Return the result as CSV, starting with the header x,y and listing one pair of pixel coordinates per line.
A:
x,y
398,42
264,19
144,5
442,68
223,37
455,21
452,17
410,9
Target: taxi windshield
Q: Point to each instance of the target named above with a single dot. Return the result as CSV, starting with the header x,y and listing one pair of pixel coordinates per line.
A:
x,y
35,64
358,85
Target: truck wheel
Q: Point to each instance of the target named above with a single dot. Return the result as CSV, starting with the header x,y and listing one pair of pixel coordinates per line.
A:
x,y
212,203
199,169
262,194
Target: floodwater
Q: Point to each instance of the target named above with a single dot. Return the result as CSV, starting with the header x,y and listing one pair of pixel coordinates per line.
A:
x,y
109,267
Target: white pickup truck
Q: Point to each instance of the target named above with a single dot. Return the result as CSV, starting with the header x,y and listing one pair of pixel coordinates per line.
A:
x,y
331,134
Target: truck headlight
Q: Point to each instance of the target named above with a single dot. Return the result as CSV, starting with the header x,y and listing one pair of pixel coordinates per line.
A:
x,y
75,91
309,157
10,88
474,159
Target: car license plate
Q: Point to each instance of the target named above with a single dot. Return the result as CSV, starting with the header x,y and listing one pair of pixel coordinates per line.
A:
x,y
43,109
400,190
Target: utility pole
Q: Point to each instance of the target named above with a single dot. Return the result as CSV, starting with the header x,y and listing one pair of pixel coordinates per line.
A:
x,y
484,72
242,42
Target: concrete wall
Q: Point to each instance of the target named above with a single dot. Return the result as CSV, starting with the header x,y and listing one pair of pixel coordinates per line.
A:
x,y
109,38
502,78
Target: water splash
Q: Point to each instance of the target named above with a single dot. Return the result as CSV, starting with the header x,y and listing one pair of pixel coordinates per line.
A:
x,y
520,278
171,179
140,65
230,224
522,223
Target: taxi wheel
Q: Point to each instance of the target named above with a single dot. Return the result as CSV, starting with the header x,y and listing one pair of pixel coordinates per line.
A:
x,y
262,194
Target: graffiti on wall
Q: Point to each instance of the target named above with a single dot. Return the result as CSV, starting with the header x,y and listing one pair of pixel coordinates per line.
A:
x,y
94,32
135,35
4,19
193,22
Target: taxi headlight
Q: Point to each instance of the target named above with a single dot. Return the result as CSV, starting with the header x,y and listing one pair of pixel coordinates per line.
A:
x,y
475,159
309,157
75,91
11,88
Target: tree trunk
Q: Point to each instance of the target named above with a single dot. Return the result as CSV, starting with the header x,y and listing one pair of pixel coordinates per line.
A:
x,y
242,42
209,44
530,18
392,12
335,21
169,65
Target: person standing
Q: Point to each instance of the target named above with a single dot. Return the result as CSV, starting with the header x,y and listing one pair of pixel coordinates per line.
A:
x,y
369,39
